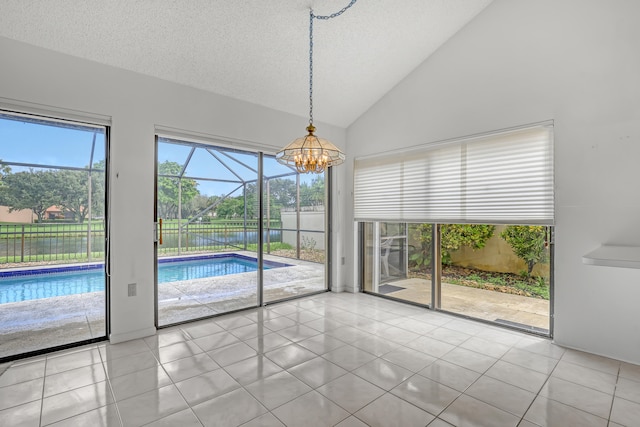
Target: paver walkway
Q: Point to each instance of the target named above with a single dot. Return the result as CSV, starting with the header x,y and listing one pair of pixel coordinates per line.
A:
x,y
478,303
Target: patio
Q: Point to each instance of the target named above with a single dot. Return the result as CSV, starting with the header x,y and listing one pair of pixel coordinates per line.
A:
x,y
513,310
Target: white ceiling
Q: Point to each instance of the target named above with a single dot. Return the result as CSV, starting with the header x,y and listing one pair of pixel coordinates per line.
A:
x,y
253,50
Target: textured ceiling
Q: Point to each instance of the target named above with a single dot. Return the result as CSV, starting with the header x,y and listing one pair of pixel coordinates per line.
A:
x,y
253,50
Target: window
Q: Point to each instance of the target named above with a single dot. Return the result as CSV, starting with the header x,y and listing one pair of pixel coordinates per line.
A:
x,y
476,216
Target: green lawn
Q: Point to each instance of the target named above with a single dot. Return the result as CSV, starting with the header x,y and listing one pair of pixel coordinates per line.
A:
x,y
9,229
54,258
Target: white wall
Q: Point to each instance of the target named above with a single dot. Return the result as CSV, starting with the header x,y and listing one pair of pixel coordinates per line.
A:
x,y
309,220
136,104
524,61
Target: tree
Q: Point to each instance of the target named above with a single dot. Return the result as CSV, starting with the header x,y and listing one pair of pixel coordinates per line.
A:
x,y
282,194
197,205
71,191
452,238
29,190
39,190
4,170
528,243
250,194
231,207
312,195
98,188
168,189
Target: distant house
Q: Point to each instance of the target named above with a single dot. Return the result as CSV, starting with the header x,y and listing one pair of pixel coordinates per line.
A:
x,y
54,212
25,216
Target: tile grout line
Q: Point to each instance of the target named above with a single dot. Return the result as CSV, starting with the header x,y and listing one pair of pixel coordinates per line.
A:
x,y
582,385
538,393
108,381
613,398
44,379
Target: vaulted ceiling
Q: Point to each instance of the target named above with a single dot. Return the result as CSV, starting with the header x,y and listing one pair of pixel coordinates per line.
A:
x,y
253,50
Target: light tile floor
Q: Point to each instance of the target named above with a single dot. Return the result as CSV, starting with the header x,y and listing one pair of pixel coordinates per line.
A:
x,y
325,360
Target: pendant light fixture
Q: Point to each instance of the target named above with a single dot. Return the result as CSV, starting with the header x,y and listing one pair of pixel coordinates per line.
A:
x,y
310,154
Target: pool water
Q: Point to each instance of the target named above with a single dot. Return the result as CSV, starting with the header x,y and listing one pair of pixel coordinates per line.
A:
x,y
172,270
26,286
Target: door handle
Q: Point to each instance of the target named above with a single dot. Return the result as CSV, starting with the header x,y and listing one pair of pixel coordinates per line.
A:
x,y
160,237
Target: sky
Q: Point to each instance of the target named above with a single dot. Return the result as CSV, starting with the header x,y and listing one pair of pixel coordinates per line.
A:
x,y
25,141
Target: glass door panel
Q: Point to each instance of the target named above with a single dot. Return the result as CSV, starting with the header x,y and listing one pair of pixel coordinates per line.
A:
x,y
207,257
497,273
390,267
52,233
294,232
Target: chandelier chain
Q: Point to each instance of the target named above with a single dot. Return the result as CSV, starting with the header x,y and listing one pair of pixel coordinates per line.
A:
x,y
311,67
323,17
333,15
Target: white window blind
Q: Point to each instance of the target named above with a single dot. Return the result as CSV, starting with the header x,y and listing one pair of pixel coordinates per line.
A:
x,y
502,178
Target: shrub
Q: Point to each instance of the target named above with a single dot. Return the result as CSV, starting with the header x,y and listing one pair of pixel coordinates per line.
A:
x,y
308,243
453,237
528,243
422,256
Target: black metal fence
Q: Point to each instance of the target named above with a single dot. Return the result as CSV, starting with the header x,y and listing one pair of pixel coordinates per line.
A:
x,y
37,243
51,242
213,236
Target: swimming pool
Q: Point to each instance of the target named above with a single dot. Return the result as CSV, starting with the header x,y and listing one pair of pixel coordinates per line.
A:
x,y
40,283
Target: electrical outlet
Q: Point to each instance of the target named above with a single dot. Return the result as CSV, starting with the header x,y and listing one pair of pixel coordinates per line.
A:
x,y
132,289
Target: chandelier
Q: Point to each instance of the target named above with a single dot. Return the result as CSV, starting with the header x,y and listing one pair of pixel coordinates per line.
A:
x,y
310,154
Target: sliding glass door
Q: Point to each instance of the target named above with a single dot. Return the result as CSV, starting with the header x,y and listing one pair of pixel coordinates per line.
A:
x,y
53,225
497,273
389,250
236,229
206,203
